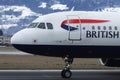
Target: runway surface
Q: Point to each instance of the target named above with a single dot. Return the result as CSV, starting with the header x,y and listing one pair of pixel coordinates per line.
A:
x,y
14,53
55,75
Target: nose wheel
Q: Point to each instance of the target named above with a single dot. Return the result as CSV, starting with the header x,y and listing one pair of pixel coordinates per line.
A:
x,y
66,72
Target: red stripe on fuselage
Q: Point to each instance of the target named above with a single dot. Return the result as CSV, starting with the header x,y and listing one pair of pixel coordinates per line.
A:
x,y
75,21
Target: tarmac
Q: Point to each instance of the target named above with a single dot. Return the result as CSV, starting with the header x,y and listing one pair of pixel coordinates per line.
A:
x,y
55,75
14,53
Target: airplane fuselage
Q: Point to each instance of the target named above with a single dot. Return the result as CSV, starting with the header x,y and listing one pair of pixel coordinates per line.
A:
x,y
77,33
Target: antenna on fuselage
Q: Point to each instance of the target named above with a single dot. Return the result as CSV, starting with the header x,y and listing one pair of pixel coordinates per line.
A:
x,y
72,8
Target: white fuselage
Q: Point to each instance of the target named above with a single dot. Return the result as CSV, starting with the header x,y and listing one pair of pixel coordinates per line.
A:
x,y
75,28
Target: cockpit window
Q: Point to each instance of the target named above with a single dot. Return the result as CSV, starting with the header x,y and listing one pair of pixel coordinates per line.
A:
x,y
41,26
49,26
32,25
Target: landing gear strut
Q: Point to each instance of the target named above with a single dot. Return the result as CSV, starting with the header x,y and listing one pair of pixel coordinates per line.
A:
x,y
66,73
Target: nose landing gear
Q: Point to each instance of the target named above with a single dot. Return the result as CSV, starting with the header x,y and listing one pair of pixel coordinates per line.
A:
x,y
66,72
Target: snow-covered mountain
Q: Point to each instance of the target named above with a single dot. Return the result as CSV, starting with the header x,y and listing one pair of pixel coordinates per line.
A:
x,y
17,14
15,17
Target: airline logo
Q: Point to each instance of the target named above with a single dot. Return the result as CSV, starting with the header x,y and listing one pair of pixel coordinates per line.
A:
x,y
73,24
66,23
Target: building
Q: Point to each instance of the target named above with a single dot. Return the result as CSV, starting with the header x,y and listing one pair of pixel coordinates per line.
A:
x,y
1,37
4,40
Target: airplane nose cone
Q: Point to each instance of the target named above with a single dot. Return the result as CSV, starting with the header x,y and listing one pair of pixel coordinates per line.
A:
x,y
13,39
20,38
16,39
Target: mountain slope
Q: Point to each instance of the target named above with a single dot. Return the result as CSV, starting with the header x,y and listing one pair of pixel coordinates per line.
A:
x,y
17,14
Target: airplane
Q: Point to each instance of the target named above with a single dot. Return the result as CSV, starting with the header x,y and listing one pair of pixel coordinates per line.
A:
x,y
73,34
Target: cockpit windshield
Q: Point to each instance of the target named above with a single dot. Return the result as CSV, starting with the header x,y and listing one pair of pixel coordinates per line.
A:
x,y
33,25
41,25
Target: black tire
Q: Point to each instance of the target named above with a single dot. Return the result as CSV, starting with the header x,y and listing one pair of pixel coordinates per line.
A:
x,y
107,61
62,73
66,74
110,62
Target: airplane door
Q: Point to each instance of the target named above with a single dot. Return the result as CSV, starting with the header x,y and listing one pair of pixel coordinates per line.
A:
x,y
74,24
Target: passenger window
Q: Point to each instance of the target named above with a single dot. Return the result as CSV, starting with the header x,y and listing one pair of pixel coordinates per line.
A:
x,y
98,27
49,26
41,26
115,27
110,27
93,27
104,27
